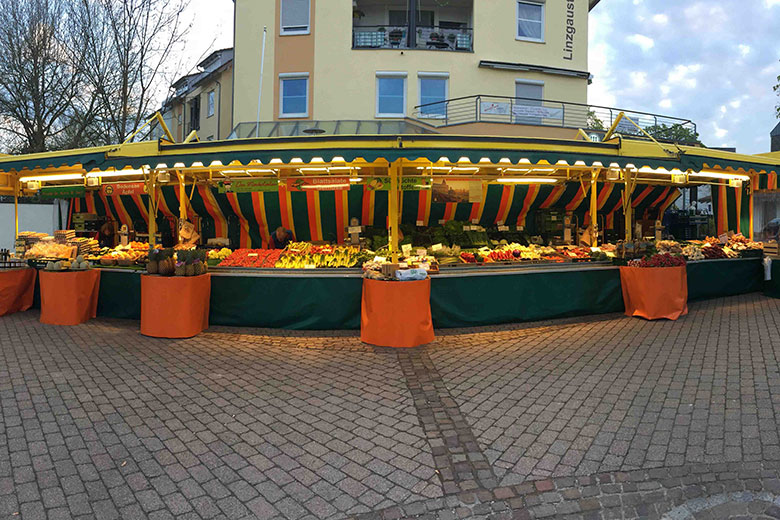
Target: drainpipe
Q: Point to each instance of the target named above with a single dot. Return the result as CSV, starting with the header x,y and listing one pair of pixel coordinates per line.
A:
x,y
219,107
412,24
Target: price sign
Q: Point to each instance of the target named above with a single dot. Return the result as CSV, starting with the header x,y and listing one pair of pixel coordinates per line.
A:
x,y
724,238
310,266
436,247
355,229
407,249
442,221
422,253
500,223
380,259
503,228
475,221
403,265
420,223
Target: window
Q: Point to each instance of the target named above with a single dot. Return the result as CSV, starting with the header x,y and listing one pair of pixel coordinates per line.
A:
x,y
524,110
391,94
195,114
295,17
530,21
433,89
294,98
210,104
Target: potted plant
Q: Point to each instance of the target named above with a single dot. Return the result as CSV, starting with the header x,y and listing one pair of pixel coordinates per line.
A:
x,y
451,37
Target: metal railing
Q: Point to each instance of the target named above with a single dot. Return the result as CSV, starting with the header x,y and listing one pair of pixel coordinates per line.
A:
x,y
425,37
542,112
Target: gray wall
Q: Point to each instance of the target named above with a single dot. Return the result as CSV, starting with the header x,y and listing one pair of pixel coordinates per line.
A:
x,y
32,217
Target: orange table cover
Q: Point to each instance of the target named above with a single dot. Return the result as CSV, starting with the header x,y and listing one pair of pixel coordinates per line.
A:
x,y
396,314
70,297
175,306
17,287
655,292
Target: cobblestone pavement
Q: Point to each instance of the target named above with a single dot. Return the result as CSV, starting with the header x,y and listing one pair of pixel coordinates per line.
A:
x,y
604,417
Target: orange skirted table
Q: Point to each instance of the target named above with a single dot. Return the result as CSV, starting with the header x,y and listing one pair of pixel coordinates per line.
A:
x,y
17,287
175,306
70,297
396,314
655,292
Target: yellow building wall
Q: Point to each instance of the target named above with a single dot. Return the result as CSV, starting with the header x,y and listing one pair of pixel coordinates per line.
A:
x,y
343,82
222,112
250,18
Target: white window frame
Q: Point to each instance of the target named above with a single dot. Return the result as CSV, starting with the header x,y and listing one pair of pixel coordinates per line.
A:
x,y
391,75
297,31
540,3
211,102
292,75
433,75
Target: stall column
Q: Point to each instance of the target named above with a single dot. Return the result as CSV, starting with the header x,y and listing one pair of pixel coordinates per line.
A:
x,y
395,169
753,184
183,200
16,205
594,207
151,189
628,211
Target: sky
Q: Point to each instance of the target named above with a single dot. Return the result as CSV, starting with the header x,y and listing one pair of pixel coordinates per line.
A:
x,y
713,62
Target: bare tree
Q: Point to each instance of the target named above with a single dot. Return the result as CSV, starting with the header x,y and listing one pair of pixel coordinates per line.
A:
x,y
41,75
128,58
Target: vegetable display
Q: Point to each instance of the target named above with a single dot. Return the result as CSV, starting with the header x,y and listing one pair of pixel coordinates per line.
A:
x,y
659,260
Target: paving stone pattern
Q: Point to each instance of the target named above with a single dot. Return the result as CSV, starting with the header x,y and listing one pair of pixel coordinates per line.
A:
x,y
605,417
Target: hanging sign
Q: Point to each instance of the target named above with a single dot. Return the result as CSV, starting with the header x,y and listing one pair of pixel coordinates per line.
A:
x,y
247,185
62,192
452,190
537,112
123,188
496,109
404,183
318,184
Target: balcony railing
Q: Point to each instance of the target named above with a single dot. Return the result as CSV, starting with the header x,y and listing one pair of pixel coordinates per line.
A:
x,y
541,112
398,37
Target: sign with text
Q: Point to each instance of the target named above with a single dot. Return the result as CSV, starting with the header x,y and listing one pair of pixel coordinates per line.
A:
x,y
494,108
318,184
123,188
405,183
247,185
62,192
537,112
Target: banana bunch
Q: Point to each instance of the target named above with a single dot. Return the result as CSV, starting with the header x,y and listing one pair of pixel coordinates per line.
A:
x,y
340,257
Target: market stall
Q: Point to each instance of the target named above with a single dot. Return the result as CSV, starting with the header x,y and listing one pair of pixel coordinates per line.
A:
x,y
509,229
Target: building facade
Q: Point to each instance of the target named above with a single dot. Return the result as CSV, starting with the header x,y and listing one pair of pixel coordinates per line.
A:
x,y
447,65
202,101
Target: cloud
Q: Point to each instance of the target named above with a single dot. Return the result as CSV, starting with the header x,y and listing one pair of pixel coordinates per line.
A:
x,y
661,19
643,41
745,49
665,103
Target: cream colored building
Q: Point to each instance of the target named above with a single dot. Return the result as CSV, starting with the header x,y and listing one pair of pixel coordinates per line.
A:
x,y
202,101
474,63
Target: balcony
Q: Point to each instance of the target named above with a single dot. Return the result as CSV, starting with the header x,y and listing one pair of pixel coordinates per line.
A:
x,y
393,25
544,112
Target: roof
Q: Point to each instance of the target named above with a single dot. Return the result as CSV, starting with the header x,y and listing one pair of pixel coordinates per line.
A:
x,y
527,67
216,59
593,3
776,131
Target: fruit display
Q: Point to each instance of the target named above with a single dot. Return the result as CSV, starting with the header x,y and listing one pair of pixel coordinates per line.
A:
x,y
668,246
659,260
219,254
252,258
78,264
713,251
693,253
739,242
320,256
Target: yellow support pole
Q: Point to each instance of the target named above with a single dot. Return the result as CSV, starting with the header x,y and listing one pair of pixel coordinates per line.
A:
x,y
16,207
394,173
594,207
753,184
628,211
151,189
183,199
